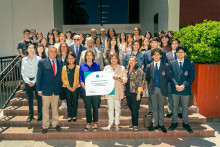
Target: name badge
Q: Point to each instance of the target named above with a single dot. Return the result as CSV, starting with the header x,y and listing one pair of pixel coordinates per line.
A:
x,y
186,73
163,73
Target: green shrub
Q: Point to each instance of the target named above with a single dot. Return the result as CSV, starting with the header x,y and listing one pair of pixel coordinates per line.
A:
x,y
202,41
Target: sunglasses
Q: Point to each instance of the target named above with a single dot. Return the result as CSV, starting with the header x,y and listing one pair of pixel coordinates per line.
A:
x,y
76,39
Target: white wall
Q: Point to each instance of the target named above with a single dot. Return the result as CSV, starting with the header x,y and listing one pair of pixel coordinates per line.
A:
x,y
17,15
174,14
148,8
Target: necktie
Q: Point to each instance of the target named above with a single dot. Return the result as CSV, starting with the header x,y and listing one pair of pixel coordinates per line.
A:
x,y
175,56
156,68
54,70
77,51
180,66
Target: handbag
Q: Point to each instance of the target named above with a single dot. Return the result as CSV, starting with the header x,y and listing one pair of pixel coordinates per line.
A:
x,y
147,119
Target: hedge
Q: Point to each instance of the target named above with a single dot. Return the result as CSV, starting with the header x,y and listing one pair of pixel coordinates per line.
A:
x,y
202,41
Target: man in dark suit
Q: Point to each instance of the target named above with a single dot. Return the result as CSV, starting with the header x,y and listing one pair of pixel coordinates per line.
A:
x,y
148,59
49,85
183,74
158,76
77,48
170,57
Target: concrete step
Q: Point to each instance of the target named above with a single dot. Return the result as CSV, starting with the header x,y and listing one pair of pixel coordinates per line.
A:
x,y
20,121
24,133
19,101
24,111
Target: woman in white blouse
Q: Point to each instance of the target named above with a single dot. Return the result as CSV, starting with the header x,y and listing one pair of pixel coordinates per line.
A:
x,y
114,101
29,67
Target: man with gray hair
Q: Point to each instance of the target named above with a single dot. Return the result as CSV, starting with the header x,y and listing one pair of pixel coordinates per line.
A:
x,y
93,33
48,86
98,54
77,48
103,36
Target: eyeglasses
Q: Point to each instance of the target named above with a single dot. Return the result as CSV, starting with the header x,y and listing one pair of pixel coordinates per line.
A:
x,y
76,39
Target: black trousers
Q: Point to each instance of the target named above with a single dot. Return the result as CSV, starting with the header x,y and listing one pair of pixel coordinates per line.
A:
x,y
91,102
29,92
72,101
134,106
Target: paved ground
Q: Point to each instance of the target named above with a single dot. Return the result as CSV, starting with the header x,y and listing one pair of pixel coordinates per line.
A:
x,y
179,142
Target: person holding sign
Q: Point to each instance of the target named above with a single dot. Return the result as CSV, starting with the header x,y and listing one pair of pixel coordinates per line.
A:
x,y
89,66
114,101
134,87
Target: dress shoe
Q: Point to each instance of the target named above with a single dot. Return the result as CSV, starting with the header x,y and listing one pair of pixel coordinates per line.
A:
x,y
74,119
30,118
44,131
152,128
173,126
58,128
69,119
180,115
169,115
163,129
39,118
187,127
150,113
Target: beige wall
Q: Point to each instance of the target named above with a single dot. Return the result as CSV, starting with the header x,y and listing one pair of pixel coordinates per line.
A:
x,y
168,11
173,14
17,15
58,14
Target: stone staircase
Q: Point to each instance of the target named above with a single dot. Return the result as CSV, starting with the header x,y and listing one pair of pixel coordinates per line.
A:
x,y
14,126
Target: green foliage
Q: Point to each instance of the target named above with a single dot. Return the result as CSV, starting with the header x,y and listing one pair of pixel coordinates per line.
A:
x,y
202,41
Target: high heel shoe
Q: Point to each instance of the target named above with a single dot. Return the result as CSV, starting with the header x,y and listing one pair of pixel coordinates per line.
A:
x,y
95,128
88,126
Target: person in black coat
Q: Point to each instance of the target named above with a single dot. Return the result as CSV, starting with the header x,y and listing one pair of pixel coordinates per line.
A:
x,y
183,74
158,76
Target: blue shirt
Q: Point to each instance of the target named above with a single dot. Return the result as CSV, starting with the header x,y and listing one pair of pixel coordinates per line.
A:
x,y
85,68
139,56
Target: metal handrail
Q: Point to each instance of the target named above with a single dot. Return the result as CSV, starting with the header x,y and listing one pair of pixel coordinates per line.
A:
x,y
10,82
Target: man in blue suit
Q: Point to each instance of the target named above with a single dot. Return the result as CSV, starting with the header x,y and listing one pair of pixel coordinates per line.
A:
x,y
148,59
158,76
183,74
77,48
170,57
49,85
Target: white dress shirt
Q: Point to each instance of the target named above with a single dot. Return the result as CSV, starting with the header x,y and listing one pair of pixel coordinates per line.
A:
x,y
29,68
158,64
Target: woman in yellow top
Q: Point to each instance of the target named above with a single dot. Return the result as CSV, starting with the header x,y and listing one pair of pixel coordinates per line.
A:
x,y
70,79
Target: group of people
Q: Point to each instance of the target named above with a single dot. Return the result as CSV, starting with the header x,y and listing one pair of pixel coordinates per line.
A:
x,y
54,67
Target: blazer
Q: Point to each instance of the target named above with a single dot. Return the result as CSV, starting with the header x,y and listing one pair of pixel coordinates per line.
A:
x,y
65,77
186,76
148,58
98,58
165,77
119,87
81,48
46,82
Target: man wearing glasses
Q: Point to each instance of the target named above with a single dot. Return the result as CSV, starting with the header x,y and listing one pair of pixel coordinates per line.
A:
x,y
93,34
77,48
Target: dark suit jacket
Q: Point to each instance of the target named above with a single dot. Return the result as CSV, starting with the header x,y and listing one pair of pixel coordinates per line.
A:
x,y
81,48
46,82
165,76
186,76
148,58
